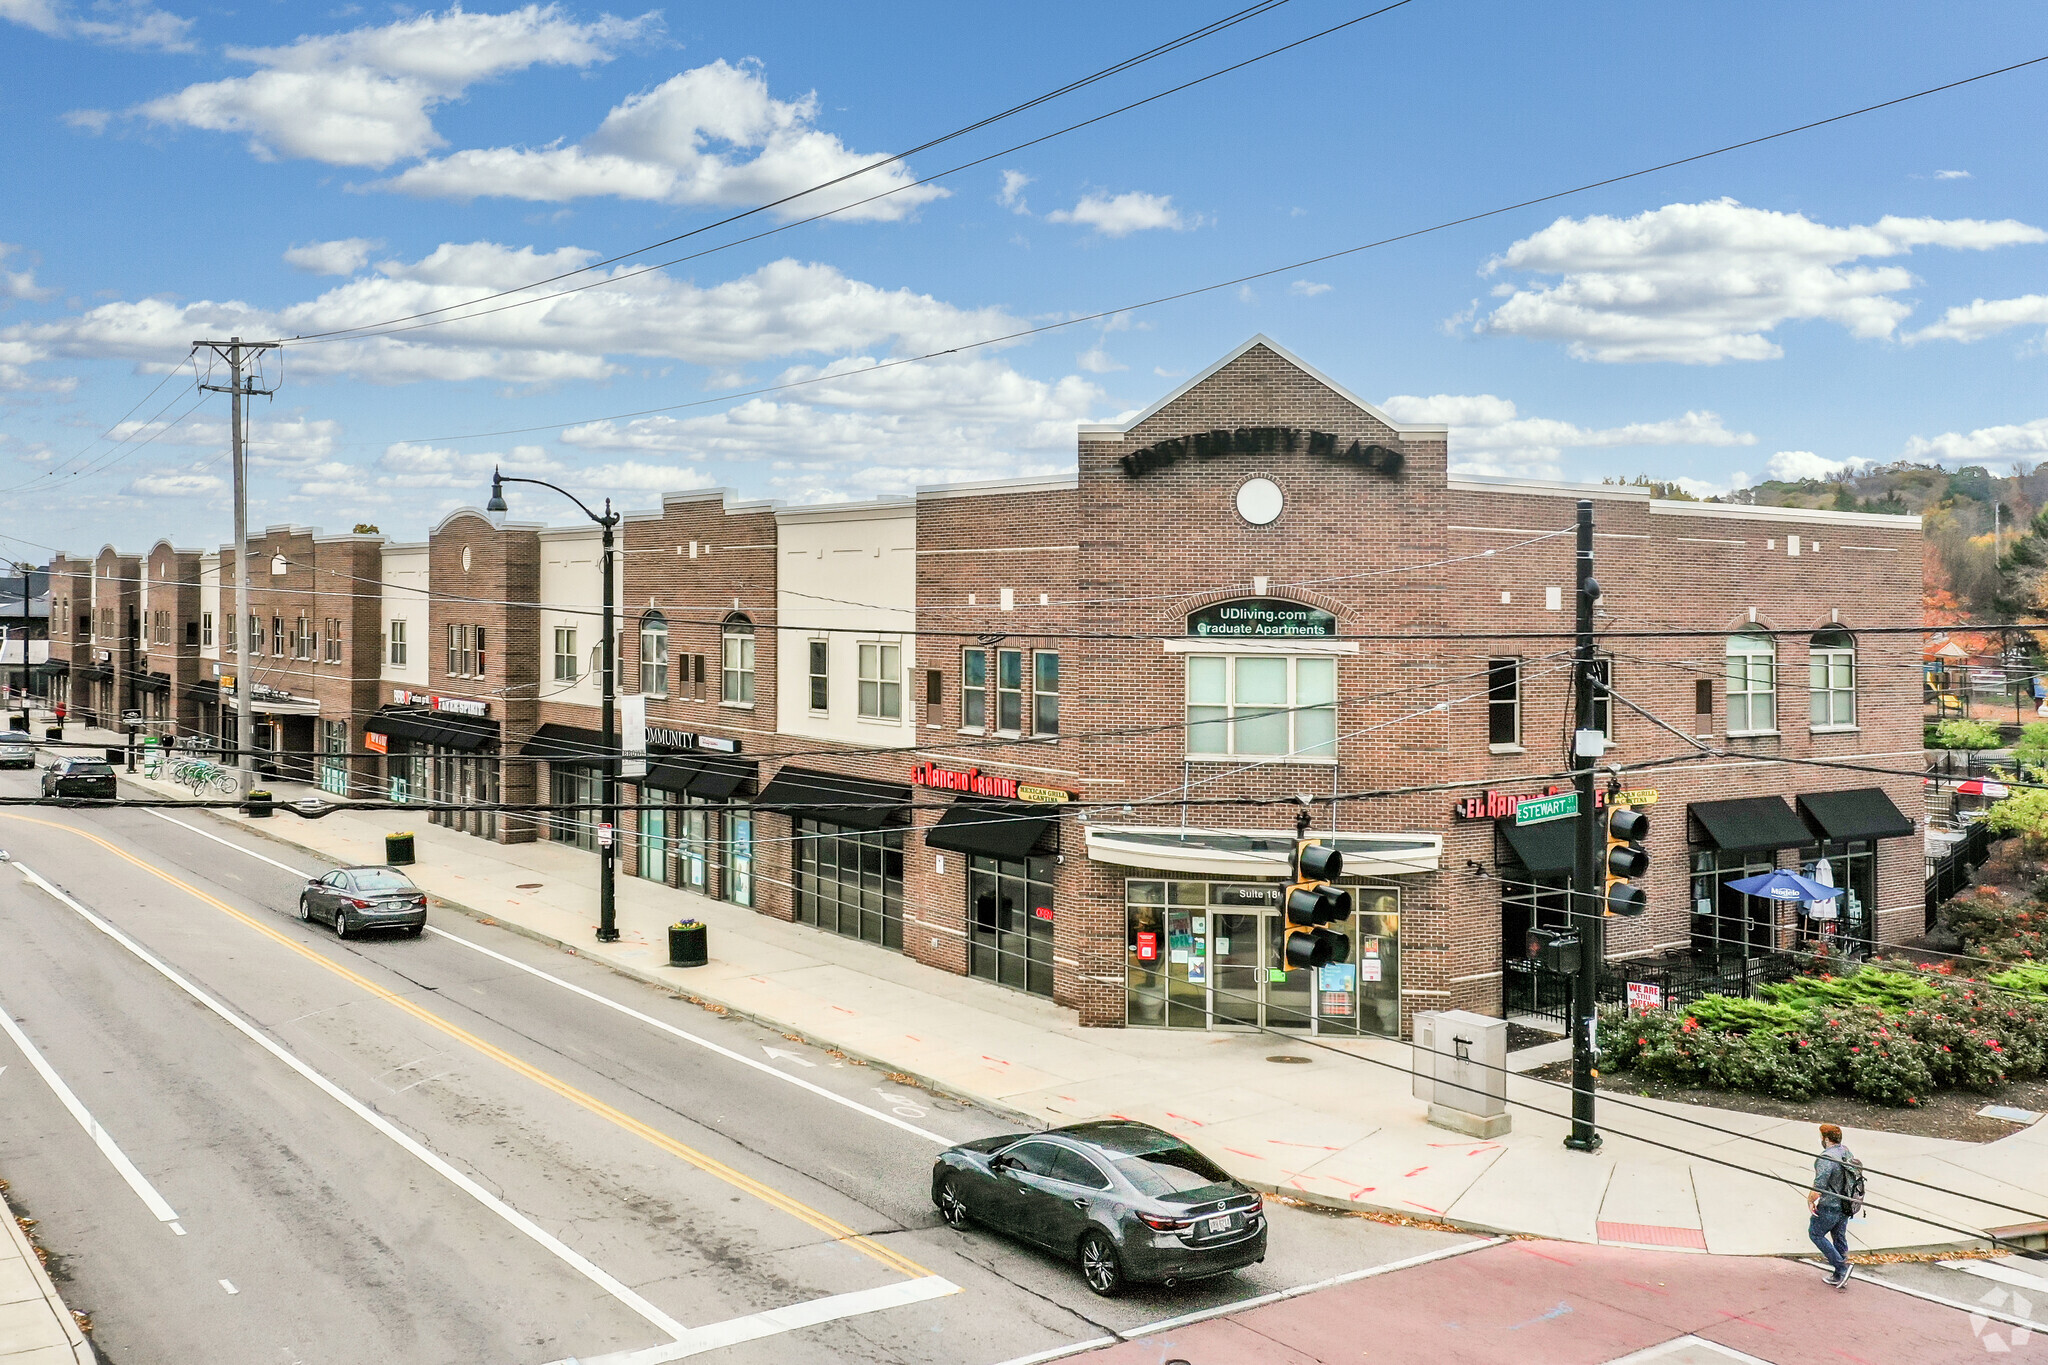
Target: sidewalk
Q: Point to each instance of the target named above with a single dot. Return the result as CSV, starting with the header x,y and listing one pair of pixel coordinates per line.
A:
x,y
35,1326
1342,1131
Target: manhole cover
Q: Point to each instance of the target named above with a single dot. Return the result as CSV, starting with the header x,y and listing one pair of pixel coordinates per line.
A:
x,y
1294,1061
530,886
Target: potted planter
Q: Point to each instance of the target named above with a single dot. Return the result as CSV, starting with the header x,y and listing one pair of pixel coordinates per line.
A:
x,y
686,944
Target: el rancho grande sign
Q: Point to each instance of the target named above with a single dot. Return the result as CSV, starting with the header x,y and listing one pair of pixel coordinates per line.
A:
x,y
1208,445
975,782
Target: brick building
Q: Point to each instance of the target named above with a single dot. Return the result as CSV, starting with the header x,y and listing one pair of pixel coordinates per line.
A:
x,y
168,668
873,718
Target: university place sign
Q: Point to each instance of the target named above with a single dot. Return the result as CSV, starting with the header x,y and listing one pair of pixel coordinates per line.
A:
x,y
1262,618
975,782
454,706
1209,445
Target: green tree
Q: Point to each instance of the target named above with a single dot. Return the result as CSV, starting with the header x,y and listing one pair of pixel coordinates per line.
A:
x,y
1966,734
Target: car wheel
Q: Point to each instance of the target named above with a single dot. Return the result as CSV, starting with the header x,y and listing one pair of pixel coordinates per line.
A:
x,y
952,1207
305,912
1100,1266
416,931
340,923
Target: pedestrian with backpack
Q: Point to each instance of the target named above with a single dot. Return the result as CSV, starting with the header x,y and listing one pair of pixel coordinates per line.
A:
x,y
1836,1196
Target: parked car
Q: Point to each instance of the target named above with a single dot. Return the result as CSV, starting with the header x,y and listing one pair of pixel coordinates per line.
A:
x,y
353,899
79,777
15,753
1128,1202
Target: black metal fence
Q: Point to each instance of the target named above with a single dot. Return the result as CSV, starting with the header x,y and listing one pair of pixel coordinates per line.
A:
x,y
1950,874
1679,979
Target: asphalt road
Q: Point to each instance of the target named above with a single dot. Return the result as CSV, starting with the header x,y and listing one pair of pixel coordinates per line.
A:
x,y
454,1149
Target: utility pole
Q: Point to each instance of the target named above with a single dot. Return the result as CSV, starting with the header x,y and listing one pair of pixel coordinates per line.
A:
x,y
233,351
1588,899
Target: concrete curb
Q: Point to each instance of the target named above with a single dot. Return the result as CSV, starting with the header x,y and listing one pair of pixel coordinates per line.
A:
x,y
64,1333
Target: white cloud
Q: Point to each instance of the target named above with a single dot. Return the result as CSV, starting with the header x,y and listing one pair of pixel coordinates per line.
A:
x,y
92,121
1795,465
1488,435
1307,289
1951,175
20,284
656,146
117,23
1123,214
1704,283
15,375
294,441
366,97
1981,318
786,308
344,256
1012,196
1098,361
172,483
1985,445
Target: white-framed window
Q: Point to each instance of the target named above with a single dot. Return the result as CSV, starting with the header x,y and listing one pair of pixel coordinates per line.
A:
x,y
565,654
277,637
1752,683
736,661
398,651
334,639
454,651
1503,703
1831,680
820,660
1262,704
206,629
881,681
478,632
654,654
974,689
1010,690
1045,693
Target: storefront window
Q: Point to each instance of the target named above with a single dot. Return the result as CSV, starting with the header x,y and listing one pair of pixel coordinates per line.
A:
x,y
334,757
1205,954
1009,922
739,879
1725,922
657,830
1853,867
850,881
571,785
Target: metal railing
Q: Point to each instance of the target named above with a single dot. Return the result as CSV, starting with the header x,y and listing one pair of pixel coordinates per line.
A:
x,y
1949,875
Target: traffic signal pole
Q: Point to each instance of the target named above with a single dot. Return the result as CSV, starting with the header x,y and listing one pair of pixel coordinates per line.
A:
x,y
1587,895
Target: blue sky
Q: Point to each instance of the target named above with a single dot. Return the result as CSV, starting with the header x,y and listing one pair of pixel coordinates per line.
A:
x,y
1869,291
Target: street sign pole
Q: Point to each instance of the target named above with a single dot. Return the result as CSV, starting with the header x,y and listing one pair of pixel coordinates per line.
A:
x,y
1586,899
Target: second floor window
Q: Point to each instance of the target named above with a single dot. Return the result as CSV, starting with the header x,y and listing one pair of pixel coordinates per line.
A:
x,y
736,662
206,630
654,654
1045,693
397,640
277,637
821,692
881,681
1262,704
1832,681
974,689
565,654
1503,703
466,651
1752,683
1010,690
334,639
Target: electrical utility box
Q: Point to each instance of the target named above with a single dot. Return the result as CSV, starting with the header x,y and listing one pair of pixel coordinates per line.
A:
x,y
1461,1071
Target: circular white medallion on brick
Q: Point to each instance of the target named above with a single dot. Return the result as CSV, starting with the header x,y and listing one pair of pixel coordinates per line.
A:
x,y
1259,501
465,559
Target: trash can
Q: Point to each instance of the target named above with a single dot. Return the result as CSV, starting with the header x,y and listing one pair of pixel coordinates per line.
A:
x,y
53,732
686,945
117,756
398,850
18,723
260,804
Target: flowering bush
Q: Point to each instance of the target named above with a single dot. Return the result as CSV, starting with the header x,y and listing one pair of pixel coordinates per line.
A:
x,y
1993,924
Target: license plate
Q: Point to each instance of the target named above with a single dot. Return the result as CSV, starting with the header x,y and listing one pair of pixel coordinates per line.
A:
x,y
1221,1223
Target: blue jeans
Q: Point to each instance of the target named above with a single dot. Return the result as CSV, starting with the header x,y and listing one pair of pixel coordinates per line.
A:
x,y
1830,1232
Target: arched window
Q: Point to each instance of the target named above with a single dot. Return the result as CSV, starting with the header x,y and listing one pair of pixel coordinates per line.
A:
x,y
654,654
1832,679
736,661
1752,683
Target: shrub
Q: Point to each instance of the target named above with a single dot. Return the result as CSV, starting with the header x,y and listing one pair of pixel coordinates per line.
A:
x,y
2030,979
2024,813
2032,748
1965,734
1992,924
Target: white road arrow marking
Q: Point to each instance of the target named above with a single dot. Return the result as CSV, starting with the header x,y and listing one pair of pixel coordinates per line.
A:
x,y
788,1056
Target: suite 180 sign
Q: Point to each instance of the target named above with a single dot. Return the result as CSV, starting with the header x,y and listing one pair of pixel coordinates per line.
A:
x,y
1262,618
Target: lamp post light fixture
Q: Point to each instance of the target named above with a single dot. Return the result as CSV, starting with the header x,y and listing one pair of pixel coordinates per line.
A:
x,y
608,840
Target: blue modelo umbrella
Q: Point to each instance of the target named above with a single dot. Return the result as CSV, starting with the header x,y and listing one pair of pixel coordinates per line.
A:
x,y
1785,886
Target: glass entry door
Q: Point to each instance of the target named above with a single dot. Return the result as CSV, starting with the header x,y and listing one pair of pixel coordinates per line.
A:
x,y
1009,922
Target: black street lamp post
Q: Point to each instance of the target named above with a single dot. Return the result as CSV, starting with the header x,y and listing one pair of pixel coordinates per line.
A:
x,y
607,844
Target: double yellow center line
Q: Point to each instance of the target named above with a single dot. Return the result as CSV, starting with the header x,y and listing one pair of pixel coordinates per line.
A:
x,y
711,1165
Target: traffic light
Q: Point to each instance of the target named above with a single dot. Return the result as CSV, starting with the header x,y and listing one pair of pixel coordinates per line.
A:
x,y
1312,903
1554,950
1626,860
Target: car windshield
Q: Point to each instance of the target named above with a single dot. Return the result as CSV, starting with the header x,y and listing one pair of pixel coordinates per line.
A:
x,y
382,879
88,770
1174,1170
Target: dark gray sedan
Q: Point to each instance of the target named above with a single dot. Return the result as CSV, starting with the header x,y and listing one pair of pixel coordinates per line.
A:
x,y
353,899
1127,1201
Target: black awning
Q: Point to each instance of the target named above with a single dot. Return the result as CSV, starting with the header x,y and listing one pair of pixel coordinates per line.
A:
x,y
51,667
720,775
565,744
1547,847
672,774
1754,822
442,728
994,829
843,800
153,682
205,690
1858,813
